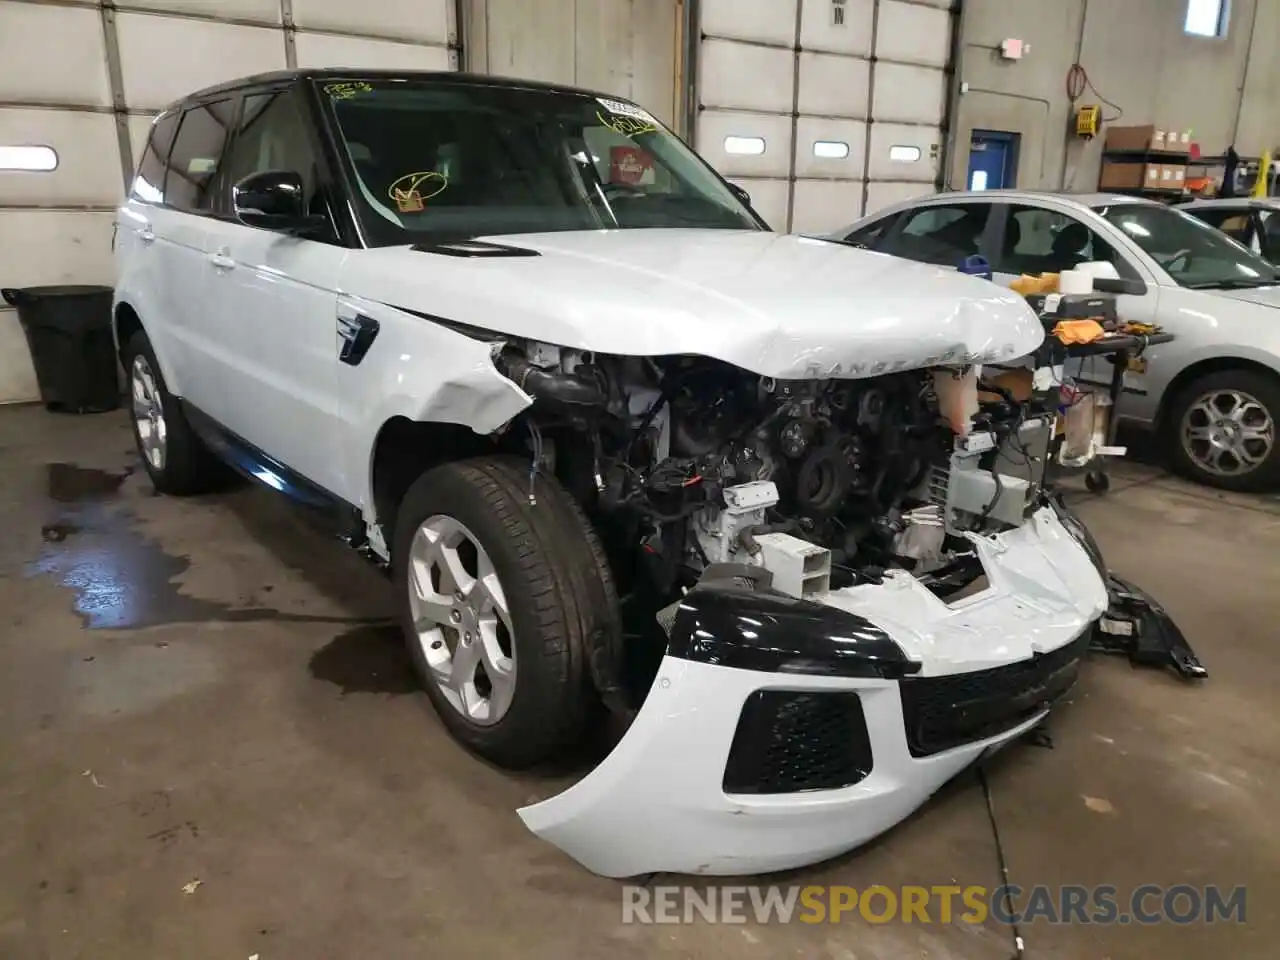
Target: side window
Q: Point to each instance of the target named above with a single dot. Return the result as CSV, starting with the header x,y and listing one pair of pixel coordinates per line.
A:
x,y
871,235
1236,224
197,152
148,184
1046,241
1270,234
273,135
943,234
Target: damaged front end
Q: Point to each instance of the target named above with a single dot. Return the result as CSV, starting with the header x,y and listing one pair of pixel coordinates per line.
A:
x,y
842,592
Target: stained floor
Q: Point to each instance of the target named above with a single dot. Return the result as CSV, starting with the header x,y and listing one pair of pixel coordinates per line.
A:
x,y
211,747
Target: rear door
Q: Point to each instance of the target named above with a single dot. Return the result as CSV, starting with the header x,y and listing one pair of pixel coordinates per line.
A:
x,y
273,298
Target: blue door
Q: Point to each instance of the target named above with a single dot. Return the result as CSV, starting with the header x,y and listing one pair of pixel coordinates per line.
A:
x,y
993,160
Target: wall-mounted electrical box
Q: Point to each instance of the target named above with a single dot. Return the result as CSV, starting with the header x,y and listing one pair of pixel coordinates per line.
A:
x,y
1013,49
1088,122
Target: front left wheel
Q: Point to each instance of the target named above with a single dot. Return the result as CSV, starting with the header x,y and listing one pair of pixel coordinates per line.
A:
x,y
503,601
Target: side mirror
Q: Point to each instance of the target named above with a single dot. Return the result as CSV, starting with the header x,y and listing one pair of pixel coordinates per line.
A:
x,y
1125,285
742,195
274,200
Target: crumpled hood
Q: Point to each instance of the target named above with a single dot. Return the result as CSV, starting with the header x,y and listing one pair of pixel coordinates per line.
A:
x,y
781,306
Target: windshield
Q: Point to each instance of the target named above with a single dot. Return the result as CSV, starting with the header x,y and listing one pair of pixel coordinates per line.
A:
x,y
437,160
1193,253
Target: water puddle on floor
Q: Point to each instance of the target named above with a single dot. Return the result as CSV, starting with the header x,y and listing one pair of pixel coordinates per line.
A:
x,y
121,579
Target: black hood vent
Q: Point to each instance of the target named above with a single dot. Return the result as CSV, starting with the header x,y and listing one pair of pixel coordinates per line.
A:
x,y
473,248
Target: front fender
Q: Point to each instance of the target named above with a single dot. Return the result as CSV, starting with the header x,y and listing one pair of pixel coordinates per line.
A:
x,y
420,370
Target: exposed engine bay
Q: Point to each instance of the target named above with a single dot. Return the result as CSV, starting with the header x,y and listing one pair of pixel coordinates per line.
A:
x,y
686,462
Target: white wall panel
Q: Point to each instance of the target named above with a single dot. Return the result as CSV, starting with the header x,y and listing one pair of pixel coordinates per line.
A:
x,y
908,31
43,247
423,20
818,30
884,193
814,130
88,151
328,50
165,58
913,94
769,198
740,75
259,11
834,85
768,21
52,55
885,136
821,206
715,126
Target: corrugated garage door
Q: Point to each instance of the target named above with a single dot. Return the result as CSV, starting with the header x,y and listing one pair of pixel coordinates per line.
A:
x,y
85,77
822,109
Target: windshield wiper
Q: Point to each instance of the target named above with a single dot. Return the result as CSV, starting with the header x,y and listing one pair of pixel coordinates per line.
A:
x,y
1240,284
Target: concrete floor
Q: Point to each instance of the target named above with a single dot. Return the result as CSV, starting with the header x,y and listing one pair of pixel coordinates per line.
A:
x,y
208,690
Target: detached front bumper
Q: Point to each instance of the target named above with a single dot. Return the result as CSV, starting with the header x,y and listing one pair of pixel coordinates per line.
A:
x,y
786,733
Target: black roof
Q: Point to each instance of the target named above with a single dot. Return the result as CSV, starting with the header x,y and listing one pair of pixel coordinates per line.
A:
x,y
353,73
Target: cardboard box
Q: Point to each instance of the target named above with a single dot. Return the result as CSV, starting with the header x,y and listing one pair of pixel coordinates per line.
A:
x,y
1147,137
1173,176
1130,176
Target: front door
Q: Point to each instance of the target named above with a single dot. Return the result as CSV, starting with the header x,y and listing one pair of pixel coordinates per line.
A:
x,y
993,160
276,302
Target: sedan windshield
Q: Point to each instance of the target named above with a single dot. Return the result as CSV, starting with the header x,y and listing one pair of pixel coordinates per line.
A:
x,y
1193,253
432,160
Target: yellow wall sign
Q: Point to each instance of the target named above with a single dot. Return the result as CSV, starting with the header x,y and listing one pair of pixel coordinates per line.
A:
x,y
412,191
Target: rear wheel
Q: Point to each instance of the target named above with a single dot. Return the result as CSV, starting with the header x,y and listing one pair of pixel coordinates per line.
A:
x,y
502,604
1221,430
176,460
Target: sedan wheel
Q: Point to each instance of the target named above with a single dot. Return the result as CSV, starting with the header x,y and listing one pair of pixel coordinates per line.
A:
x,y
462,620
1228,433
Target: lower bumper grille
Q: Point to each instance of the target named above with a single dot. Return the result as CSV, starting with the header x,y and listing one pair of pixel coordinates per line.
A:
x,y
946,712
789,742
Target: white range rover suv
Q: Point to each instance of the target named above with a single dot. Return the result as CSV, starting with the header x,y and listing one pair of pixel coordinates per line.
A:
x,y
620,447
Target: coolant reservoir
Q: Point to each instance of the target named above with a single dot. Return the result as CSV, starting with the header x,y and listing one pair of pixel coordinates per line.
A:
x,y
957,398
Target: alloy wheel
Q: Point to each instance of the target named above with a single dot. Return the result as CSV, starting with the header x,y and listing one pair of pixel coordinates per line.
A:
x,y
1228,432
148,412
462,620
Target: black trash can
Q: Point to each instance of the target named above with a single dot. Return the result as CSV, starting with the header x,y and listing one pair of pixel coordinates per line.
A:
x,y
68,330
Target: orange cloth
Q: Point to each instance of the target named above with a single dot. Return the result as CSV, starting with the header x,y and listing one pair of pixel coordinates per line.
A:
x,y
1078,331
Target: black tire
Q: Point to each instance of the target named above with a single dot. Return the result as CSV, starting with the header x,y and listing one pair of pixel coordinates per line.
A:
x,y
1265,388
559,591
188,466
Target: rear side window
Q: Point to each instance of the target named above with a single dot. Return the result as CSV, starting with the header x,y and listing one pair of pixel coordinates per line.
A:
x,y
197,153
148,185
944,235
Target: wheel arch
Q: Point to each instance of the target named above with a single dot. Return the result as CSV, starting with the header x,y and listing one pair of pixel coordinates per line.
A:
x,y
404,449
1201,368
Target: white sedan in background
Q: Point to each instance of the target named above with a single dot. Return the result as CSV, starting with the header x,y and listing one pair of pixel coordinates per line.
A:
x,y
1254,221
1214,393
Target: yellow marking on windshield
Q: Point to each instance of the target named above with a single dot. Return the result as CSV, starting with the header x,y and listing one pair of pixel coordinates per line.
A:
x,y
412,191
347,89
626,126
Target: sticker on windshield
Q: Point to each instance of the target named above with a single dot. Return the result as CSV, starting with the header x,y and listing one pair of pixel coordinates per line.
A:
x,y
625,118
347,89
412,191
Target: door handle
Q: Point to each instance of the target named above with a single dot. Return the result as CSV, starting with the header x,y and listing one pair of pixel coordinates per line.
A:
x,y
222,260
147,234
